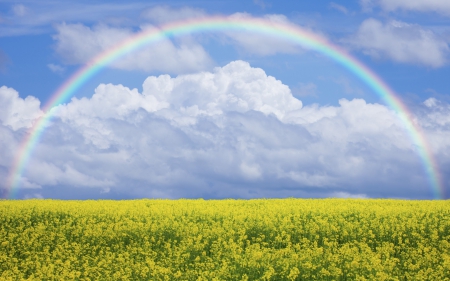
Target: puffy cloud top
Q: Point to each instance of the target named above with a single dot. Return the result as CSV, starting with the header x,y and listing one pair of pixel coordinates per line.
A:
x,y
235,87
17,112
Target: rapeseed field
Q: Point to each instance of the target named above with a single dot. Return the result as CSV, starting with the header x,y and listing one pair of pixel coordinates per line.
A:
x,y
274,239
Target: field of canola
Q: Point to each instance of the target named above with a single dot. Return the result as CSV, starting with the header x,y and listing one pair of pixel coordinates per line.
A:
x,y
285,239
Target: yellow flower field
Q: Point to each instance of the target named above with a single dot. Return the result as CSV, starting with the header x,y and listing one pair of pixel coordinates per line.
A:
x,y
273,239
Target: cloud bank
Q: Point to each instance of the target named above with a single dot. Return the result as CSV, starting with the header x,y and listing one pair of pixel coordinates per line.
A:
x,y
401,42
232,132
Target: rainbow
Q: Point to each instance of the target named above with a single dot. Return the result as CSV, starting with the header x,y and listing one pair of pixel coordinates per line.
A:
x,y
283,31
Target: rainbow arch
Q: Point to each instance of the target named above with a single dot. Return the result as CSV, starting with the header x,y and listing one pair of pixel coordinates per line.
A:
x,y
289,32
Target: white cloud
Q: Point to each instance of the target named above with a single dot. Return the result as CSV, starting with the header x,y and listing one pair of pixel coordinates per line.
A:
x,y
347,86
164,14
33,196
16,112
261,3
305,89
235,87
339,8
38,17
232,132
8,147
341,194
19,10
77,44
436,124
248,41
439,6
258,43
250,171
25,184
401,42
56,68
50,174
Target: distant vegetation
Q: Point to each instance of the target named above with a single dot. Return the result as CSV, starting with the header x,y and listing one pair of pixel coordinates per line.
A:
x,y
286,239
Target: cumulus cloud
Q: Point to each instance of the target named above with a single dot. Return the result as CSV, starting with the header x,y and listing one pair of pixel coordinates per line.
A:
x,y
77,44
401,42
16,116
439,6
16,112
232,132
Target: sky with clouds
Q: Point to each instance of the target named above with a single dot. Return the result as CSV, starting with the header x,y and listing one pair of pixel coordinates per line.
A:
x,y
227,114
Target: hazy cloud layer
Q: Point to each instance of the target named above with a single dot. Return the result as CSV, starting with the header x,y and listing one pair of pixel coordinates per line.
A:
x,y
77,44
164,14
401,42
36,17
249,41
19,10
56,68
232,132
260,43
338,7
439,6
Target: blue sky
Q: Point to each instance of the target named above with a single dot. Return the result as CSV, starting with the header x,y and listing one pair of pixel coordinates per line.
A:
x,y
303,126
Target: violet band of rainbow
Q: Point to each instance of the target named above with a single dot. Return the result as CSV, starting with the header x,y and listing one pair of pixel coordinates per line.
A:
x,y
289,32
